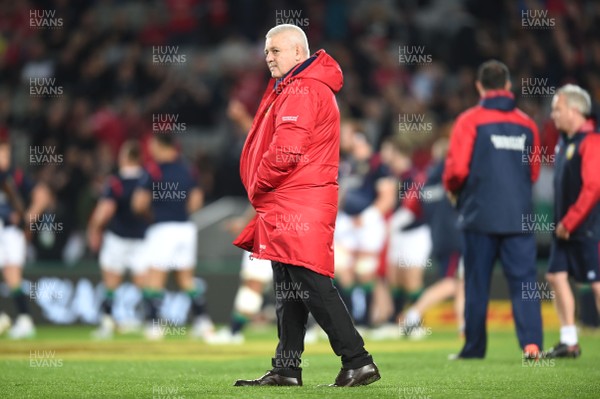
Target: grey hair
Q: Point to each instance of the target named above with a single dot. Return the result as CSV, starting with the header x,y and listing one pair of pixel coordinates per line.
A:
x,y
576,98
300,36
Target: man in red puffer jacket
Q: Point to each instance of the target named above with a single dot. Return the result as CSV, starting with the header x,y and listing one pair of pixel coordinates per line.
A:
x,y
289,167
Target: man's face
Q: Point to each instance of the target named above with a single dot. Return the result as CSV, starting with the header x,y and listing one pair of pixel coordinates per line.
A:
x,y
561,113
281,54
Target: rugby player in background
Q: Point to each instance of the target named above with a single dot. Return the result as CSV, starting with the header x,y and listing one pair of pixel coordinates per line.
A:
x,y
410,240
442,219
118,233
17,191
167,197
367,194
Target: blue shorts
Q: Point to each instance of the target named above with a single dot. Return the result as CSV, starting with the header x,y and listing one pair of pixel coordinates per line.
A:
x,y
579,257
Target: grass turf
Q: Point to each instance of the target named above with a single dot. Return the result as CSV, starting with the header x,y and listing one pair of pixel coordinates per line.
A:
x,y
62,362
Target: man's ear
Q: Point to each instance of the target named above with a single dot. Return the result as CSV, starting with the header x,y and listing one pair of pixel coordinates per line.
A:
x,y
479,88
508,85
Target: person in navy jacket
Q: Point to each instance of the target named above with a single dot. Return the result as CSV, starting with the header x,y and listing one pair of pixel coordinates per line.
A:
x,y
491,185
576,244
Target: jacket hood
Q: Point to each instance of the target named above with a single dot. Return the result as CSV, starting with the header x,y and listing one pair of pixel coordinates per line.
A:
x,y
320,66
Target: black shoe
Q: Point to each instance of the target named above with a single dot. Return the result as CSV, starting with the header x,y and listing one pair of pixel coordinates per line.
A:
x,y
564,350
270,378
354,377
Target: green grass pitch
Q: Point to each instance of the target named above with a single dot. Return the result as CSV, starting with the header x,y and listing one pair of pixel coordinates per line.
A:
x,y
63,362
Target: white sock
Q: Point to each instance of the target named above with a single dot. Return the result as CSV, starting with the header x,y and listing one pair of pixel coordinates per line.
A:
x,y
568,335
412,317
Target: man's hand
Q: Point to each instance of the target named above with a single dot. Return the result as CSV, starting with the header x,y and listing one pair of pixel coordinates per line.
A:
x,y
235,225
561,232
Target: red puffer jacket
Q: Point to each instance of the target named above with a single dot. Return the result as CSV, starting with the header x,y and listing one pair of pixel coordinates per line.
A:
x,y
289,166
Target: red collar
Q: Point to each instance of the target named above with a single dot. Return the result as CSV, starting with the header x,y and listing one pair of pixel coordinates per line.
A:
x,y
498,93
588,126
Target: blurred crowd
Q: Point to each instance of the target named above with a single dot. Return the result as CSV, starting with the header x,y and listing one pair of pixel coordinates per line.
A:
x,y
97,60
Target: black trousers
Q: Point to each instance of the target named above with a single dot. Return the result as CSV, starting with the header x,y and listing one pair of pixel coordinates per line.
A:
x,y
299,291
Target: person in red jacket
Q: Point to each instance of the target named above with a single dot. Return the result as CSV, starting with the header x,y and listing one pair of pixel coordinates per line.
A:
x,y
289,167
575,248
